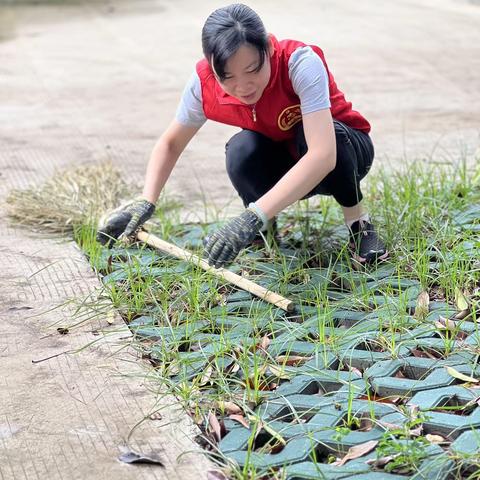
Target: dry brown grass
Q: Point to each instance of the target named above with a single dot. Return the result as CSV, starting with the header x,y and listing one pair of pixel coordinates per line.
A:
x,y
70,198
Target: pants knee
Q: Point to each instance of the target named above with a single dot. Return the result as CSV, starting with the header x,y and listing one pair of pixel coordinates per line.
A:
x,y
241,152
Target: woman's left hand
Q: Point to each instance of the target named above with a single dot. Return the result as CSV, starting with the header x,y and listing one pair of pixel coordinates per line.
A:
x,y
225,244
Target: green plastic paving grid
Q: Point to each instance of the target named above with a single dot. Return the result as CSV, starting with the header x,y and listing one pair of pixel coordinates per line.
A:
x,y
381,353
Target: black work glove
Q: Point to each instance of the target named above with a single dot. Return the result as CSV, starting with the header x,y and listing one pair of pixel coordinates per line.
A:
x,y
225,244
125,220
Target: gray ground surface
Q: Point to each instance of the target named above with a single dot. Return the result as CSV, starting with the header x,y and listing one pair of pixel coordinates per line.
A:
x,y
83,81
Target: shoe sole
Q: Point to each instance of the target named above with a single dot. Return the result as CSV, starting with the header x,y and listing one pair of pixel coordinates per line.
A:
x,y
370,259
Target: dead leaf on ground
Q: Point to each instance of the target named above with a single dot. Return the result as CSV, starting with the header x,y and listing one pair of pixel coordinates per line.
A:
x,y
291,360
460,300
413,410
462,315
389,426
133,457
228,407
156,416
206,376
416,432
422,354
264,343
435,438
357,451
215,427
240,419
382,461
456,374
279,372
110,318
443,322
421,306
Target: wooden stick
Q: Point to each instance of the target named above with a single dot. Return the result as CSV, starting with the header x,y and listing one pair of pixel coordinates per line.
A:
x,y
243,283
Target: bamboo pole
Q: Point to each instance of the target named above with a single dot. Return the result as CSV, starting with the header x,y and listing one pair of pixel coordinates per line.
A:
x,y
237,280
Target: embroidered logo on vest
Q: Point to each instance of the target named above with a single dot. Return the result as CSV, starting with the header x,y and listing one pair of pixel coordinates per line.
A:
x,y
289,117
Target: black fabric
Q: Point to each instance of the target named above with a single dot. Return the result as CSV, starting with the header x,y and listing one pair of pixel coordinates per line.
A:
x,y
256,163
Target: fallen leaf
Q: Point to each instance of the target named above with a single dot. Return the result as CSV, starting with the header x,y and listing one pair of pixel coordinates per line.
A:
x,y
462,314
216,475
133,457
206,376
279,372
110,317
418,353
240,419
215,426
229,407
413,410
446,323
389,426
422,354
460,300
421,307
382,461
291,360
416,432
357,451
265,342
434,438
456,374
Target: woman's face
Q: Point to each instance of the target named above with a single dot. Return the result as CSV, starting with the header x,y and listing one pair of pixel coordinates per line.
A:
x,y
243,80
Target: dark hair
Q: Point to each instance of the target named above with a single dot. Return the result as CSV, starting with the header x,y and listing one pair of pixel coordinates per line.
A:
x,y
227,29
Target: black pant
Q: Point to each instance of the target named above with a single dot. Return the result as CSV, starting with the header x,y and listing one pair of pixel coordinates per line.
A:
x,y
256,163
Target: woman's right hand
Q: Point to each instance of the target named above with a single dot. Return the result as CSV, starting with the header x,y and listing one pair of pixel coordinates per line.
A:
x,y
124,221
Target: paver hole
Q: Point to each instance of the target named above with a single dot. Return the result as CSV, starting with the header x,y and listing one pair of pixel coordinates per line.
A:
x,y
319,455
294,417
370,346
362,422
184,346
427,352
214,329
411,373
267,443
455,406
320,388
313,337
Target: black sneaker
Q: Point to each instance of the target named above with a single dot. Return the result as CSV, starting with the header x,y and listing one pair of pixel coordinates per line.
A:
x,y
365,245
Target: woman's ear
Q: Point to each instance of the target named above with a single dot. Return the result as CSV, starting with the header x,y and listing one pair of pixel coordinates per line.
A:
x,y
271,48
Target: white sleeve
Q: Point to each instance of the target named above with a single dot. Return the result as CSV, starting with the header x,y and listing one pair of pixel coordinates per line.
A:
x,y
309,79
190,109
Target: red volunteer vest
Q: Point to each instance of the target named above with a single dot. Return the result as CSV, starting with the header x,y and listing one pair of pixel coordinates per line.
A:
x,y
278,109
